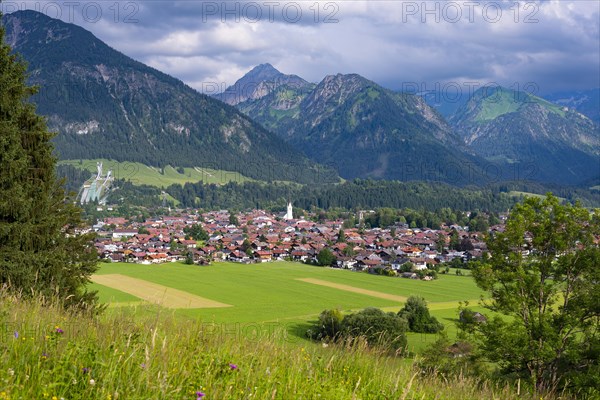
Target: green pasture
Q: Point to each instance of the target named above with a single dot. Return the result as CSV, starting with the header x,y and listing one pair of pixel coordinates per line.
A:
x,y
517,193
109,295
507,101
140,174
501,103
270,294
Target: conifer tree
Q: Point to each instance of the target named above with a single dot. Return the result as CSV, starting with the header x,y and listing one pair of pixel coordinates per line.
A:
x,y
40,250
341,236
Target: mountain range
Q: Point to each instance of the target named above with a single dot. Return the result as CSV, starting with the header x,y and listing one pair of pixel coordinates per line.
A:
x,y
274,126
104,104
586,102
365,130
358,127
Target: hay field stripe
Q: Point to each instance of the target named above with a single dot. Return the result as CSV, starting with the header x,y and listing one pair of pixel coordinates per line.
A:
x,y
155,293
354,289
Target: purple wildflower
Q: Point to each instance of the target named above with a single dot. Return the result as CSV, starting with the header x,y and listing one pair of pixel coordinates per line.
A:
x,y
59,331
199,395
16,335
85,370
233,366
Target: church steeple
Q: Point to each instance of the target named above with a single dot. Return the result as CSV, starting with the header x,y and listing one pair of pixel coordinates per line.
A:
x,y
289,215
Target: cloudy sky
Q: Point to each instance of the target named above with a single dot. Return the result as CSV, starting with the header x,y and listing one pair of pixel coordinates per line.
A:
x,y
538,46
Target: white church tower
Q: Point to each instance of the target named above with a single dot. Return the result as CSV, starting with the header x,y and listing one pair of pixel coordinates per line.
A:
x,y
289,215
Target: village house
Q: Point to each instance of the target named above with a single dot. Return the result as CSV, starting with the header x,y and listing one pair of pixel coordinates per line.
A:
x,y
118,234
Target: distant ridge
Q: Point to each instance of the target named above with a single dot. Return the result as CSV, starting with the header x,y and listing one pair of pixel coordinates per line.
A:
x,y
536,139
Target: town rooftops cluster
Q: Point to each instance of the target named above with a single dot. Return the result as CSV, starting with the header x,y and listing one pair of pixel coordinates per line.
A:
x,y
260,236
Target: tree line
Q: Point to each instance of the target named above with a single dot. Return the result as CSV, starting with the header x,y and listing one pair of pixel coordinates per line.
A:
x,y
356,194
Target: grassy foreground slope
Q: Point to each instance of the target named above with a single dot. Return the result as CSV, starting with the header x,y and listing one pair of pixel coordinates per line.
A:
x,y
50,354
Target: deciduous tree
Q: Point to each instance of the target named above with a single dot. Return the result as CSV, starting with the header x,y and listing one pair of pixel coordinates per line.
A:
x,y
543,278
417,315
325,257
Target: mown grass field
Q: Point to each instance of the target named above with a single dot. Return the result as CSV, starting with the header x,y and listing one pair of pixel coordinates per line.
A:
x,y
140,174
272,293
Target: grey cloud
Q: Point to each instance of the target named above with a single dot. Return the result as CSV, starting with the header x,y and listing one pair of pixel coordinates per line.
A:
x,y
385,41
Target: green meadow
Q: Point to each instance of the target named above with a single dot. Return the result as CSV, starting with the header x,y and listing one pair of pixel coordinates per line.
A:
x,y
140,174
271,294
517,193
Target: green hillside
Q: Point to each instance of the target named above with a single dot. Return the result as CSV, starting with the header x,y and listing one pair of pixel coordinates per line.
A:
x,y
517,193
140,174
503,101
496,106
528,138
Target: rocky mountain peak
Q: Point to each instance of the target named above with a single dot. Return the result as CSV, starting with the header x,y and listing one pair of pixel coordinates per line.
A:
x,y
263,72
337,88
257,83
29,25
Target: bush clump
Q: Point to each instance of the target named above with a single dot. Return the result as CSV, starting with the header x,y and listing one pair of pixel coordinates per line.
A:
x,y
377,328
417,315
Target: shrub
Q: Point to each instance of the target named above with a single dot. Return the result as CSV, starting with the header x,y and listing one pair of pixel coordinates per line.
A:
x,y
328,327
377,328
417,315
450,359
380,329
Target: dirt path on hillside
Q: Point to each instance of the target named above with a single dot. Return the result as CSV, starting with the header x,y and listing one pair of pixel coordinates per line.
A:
x,y
372,293
154,293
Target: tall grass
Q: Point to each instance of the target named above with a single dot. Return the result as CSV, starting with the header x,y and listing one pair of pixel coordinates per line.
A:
x,y
47,353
